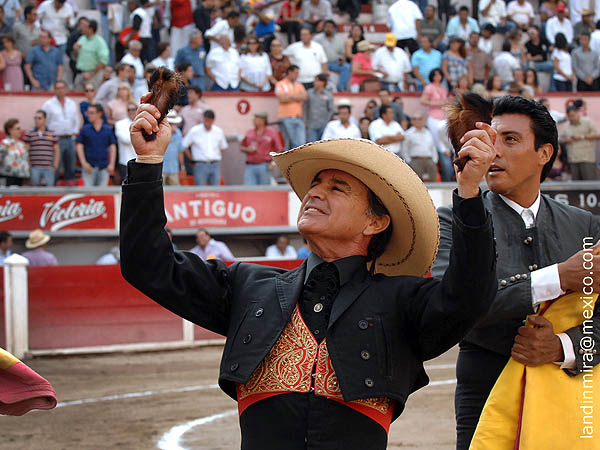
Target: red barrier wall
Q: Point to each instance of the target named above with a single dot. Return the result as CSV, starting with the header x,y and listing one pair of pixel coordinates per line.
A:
x,y
79,306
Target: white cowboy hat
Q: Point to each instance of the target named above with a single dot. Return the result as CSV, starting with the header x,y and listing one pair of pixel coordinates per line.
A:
x,y
37,238
416,230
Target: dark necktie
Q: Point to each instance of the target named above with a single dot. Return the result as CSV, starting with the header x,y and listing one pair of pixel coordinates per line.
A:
x,y
320,290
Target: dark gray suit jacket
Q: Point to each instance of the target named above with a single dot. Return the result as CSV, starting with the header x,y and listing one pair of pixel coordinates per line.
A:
x,y
558,234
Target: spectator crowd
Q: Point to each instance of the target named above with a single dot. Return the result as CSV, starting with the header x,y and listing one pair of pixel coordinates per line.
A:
x,y
294,49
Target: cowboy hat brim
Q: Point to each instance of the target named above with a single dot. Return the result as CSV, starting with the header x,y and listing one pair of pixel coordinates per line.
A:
x,y
30,244
416,231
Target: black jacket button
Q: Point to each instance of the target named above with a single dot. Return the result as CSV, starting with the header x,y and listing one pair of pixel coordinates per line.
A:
x,y
247,339
234,367
363,324
369,383
365,355
259,312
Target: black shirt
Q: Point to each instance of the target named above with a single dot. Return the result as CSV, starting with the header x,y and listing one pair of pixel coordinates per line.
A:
x,y
540,49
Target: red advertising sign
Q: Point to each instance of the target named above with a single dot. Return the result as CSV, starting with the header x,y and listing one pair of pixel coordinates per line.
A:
x,y
226,209
57,212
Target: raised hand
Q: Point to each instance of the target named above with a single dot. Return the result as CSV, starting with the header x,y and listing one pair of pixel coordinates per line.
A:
x,y
478,152
147,119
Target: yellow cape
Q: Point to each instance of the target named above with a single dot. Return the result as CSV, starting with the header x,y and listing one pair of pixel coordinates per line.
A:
x,y
552,401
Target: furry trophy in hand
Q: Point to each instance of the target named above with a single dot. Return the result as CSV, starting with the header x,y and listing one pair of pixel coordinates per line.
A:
x,y
165,87
467,110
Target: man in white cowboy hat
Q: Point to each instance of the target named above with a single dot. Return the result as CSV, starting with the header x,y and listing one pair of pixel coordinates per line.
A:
x,y
325,355
37,253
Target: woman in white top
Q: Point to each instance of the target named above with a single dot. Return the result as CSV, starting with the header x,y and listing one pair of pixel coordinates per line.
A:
x,y
563,67
164,56
255,69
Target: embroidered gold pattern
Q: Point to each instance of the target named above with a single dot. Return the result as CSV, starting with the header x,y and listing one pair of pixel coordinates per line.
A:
x,y
288,368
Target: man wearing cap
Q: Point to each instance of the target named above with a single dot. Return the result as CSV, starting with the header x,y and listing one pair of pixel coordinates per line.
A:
x,y
585,25
393,63
258,144
559,24
37,253
173,164
324,355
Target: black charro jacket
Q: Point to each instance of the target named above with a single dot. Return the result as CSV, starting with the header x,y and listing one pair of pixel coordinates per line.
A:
x,y
401,321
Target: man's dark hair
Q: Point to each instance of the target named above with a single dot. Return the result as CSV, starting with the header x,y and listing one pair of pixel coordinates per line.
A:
x,y
233,14
542,123
204,230
322,77
93,25
489,27
506,46
120,67
380,241
309,29
182,67
348,107
571,108
585,33
97,106
560,42
383,109
209,114
196,89
463,8
331,22
42,112
4,235
26,12
291,68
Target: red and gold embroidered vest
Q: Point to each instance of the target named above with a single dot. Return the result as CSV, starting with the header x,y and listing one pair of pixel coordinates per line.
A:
x,y
288,368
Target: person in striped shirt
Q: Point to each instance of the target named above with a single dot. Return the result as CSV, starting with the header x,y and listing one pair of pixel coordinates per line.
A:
x,y
44,154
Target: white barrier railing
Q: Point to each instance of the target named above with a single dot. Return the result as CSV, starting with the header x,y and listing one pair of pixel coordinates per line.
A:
x,y
16,305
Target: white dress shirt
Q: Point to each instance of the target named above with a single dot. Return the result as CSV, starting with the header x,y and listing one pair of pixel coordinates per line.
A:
x,y
521,14
335,129
256,69
419,143
126,151
56,21
219,28
310,59
379,129
545,283
495,14
62,120
225,66
273,252
402,17
206,145
394,63
169,63
555,26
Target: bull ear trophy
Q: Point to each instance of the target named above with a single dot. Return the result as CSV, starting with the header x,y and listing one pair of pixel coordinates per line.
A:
x,y
165,87
467,110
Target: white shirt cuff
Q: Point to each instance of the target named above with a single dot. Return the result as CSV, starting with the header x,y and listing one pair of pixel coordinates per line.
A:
x,y
545,284
569,362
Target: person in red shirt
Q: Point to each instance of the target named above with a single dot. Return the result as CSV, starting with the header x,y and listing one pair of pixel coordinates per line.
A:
x,y
258,144
182,22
